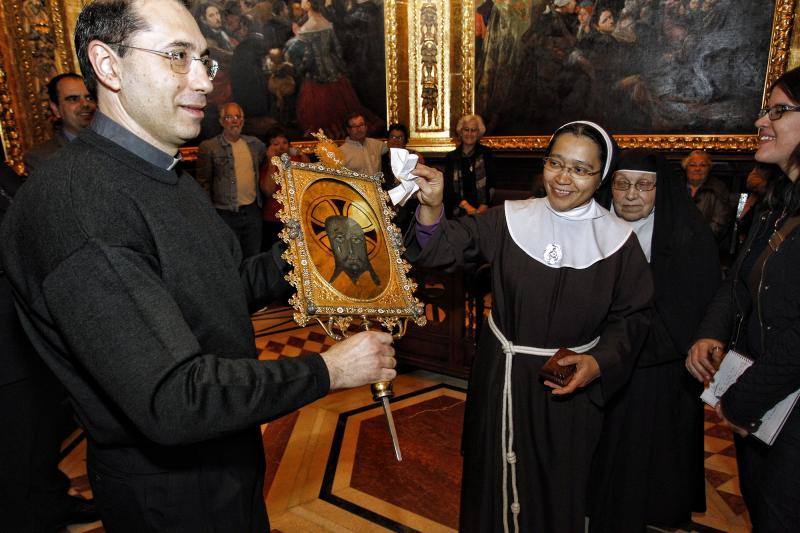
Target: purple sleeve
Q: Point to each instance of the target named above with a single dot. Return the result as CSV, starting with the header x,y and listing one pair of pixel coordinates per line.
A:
x,y
423,232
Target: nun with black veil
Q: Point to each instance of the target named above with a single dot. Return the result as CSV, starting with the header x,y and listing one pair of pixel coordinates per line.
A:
x,y
564,274
649,466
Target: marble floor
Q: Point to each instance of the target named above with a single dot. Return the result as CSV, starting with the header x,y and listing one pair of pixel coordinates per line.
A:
x,y
331,467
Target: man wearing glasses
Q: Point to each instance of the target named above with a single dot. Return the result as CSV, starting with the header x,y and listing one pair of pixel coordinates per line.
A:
x,y
361,153
227,168
135,293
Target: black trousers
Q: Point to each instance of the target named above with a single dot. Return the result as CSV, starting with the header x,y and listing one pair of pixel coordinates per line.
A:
x,y
33,491
214,486
770,481
246,224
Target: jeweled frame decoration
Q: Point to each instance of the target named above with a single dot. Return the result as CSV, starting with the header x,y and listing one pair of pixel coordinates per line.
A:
x,y
321,299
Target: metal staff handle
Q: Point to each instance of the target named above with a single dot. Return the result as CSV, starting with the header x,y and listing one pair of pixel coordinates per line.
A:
x,y
382,392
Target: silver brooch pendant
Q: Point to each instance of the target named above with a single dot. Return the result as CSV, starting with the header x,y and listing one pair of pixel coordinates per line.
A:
x,y
552,253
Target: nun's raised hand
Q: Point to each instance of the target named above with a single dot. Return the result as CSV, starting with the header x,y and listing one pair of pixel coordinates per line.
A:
x,y
431,190
587,371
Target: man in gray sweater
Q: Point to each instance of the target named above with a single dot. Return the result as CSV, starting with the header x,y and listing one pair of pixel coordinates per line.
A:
x,y
136,295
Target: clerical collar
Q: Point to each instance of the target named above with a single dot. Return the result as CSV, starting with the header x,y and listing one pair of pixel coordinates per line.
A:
x,y
104,126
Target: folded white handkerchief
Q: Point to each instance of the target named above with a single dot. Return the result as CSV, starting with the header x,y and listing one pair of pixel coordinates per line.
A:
x,y
402,165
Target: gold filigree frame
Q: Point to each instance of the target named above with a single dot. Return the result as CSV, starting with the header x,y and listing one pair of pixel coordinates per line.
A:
x,y
778,60
314,199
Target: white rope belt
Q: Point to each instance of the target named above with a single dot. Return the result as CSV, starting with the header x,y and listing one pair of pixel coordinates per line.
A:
x,y
507,437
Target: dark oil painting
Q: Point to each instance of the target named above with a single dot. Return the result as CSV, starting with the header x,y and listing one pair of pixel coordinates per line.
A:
x,y
300,65
633,66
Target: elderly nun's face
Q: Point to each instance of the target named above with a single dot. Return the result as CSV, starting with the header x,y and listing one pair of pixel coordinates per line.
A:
x,y
630,202
572,171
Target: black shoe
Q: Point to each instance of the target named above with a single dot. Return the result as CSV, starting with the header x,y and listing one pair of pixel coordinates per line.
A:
x,y
79,511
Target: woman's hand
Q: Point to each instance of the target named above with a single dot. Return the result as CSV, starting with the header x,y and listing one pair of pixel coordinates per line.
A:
x,y
587,371
704,358
431,190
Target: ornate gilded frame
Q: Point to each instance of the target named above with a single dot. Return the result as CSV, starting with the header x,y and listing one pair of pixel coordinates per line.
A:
x,y
782,24
460,69
317,200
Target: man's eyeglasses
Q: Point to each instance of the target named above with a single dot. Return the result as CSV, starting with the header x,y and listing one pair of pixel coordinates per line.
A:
x,y
776,112
232,118
625,185
179,60
356,126
556,166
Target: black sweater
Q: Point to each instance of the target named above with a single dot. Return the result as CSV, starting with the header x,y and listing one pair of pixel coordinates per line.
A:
x,y
136,296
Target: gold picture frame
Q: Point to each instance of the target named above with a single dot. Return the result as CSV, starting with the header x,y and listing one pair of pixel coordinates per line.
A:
x,y
783,20
359,273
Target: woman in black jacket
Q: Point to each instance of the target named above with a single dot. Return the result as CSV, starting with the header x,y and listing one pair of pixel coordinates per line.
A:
x,y
468,175
757,312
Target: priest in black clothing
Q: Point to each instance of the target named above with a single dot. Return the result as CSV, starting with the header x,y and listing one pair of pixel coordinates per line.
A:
x,y
136,295
565,273
649,465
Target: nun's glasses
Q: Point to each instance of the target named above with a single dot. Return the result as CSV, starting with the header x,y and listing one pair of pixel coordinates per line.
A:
x,y
625,185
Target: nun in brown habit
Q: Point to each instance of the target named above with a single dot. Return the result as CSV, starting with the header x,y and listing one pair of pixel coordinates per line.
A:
x,y
565,273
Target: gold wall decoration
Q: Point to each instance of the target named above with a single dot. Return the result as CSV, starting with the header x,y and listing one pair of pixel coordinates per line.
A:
x,y
392,77
429,97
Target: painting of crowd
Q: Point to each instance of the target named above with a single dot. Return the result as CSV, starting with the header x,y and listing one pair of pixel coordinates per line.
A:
x,y
637,66
301,65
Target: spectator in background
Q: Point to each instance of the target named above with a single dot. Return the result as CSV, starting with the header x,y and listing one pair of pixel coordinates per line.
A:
x,y
277,145
398,138
73,105
468,177
227,168
361,153
710,195
757,182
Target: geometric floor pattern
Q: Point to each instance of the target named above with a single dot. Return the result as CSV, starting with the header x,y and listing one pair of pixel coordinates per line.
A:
x,y
331,466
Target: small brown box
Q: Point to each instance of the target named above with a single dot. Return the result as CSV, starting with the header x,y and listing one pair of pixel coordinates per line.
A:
x,y
552,371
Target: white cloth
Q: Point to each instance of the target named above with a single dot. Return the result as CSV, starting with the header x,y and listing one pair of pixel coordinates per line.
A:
x,y
643,228
577,238
403,163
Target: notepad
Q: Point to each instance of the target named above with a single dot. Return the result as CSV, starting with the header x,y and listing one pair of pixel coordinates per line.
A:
x,y
732,366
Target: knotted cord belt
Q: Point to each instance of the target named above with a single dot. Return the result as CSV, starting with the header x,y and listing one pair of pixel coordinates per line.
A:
x,y
507,437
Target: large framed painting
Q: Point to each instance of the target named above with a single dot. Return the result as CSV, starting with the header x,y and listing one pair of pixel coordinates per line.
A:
x,y
661,73
302,65
345,252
